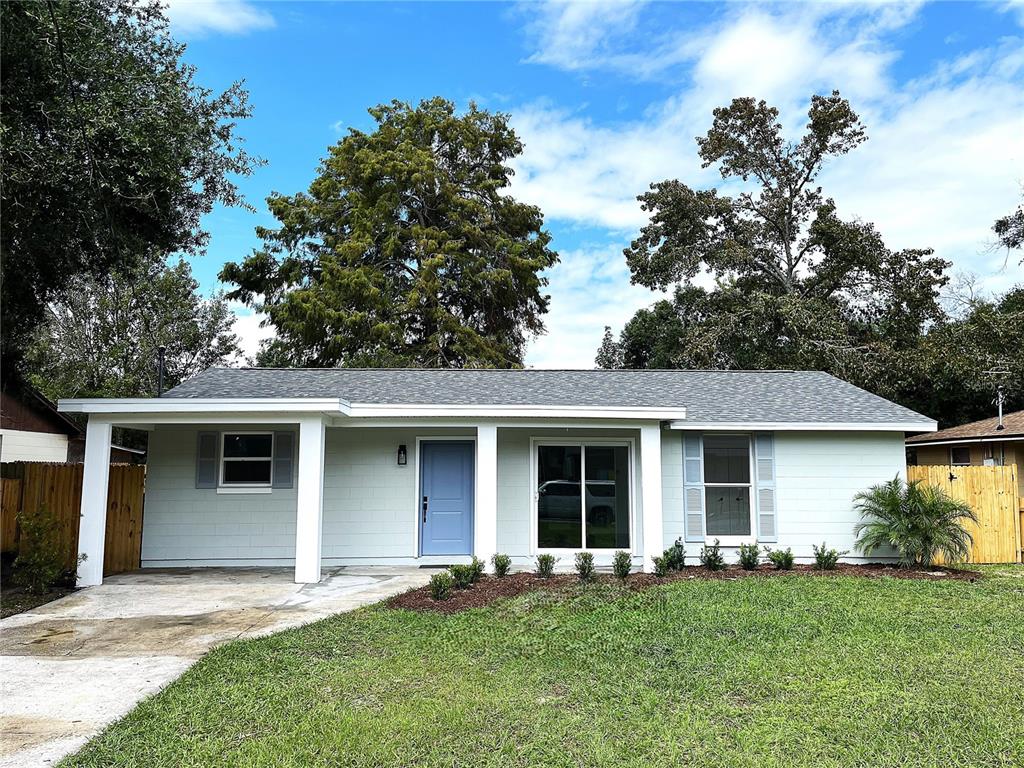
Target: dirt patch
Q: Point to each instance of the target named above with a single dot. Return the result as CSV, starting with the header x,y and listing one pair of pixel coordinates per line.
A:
x,y
489,588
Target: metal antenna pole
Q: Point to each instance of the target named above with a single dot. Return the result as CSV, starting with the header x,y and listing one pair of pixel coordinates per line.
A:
x,y
160,370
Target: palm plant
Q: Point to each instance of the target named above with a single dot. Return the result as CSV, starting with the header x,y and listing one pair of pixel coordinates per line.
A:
x,y
918,521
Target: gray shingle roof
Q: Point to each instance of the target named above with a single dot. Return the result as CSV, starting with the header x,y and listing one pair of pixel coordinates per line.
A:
x,y
707,396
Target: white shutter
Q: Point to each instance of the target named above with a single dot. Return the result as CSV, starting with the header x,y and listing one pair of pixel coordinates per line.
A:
x,y
693,482
767,514
284,450
207,445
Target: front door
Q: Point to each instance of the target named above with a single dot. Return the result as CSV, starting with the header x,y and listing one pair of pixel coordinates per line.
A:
x,y
446,498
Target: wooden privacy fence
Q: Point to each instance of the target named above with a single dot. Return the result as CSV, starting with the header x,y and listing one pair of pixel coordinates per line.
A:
x,y
29,485
992,494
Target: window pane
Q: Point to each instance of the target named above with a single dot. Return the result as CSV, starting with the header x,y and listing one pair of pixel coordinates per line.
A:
x,y
248,446
247,471
607,497
961,454
726,459
727,511
559,505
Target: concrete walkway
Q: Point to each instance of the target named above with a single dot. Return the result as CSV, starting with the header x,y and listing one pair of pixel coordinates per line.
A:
x,y
71,667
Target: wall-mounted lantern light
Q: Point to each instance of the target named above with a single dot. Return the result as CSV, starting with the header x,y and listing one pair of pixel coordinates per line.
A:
x,y
403,456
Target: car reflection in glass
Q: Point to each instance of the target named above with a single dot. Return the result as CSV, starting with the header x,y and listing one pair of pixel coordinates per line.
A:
x,y
560,500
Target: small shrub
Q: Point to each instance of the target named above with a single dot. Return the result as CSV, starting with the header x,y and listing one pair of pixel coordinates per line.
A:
x,y
546,565
39,565
712,557
660,567
441,585
501,565
675,556
479,567
462,575
585,565
750,556
826,559
782,559
622,564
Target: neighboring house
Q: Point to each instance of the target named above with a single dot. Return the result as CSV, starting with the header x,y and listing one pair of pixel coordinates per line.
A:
x,y
32,429
426,467
989,441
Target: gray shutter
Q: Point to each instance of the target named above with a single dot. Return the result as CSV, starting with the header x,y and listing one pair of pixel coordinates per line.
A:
x,y
206,459
693,487
764,462
284,459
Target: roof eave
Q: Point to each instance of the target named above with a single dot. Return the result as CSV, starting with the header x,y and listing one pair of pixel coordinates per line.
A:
x,y
926,425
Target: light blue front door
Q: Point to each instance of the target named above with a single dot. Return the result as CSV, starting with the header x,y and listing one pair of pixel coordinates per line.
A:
x,y
446,498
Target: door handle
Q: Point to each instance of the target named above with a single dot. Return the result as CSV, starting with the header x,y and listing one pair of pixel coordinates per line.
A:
x,y
424,509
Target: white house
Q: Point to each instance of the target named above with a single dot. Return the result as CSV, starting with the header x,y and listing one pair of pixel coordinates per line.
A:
x,y
402,467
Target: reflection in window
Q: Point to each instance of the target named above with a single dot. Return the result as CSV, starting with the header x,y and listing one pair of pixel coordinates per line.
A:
x,y
727,511
727,485
559,506
247,458
607,470
597,519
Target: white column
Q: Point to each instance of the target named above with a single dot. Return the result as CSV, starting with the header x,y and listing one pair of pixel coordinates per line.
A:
x,y
485,523
309,510
92,526
650,493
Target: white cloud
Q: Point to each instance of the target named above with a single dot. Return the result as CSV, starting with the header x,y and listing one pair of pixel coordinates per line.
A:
x,y
945,156
571,35
249,331
233,17
589,289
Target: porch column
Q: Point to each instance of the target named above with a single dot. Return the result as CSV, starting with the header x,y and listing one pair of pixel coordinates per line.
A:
x,y
650,493
309,501
485,524
92,525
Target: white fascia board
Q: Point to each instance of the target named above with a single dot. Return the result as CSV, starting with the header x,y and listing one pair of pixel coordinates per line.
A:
x,y
470,423
404,410
143,407
173,405
966,441
808,426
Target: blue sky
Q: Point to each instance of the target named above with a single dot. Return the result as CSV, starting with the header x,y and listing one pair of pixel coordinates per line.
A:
x,y
608,97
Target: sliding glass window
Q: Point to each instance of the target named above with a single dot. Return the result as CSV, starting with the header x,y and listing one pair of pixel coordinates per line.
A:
x,y
583,496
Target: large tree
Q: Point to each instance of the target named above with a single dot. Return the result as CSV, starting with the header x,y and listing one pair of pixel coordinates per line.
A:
x,y
796,285
101,339
1010,229
111,152
406,250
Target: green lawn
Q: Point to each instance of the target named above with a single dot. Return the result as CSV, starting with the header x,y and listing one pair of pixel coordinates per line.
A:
x,y
787,671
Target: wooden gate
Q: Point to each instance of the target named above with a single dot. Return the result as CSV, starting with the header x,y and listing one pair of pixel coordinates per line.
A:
x,y
29,485
992,494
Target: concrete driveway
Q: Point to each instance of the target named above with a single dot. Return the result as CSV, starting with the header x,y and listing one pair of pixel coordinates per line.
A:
x,y
69,668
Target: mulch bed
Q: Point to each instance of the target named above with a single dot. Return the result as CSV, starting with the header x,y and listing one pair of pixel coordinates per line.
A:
x,y
489,589
16,600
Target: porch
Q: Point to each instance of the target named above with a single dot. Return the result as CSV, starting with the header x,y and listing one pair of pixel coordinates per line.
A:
x,y
313,490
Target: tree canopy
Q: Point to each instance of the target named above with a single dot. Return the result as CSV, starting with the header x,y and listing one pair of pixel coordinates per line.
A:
x,y
101,339
406,249
111,152
795,285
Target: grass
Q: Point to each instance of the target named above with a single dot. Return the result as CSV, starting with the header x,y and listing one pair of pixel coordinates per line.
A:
x,y
786,671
